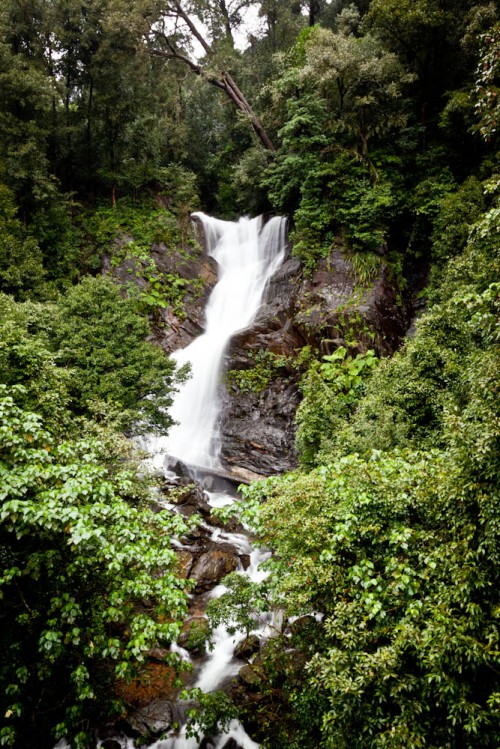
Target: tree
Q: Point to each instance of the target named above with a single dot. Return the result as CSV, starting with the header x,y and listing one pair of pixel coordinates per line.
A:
x,y
172,46
337,94
426,35
95,340
487,83
361,83
392,541
21,267
99,336
87,583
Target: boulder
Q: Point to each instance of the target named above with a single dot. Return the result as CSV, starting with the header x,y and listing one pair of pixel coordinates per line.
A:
x,y
213,565
247,647
153,719
194,634
184,562
250,676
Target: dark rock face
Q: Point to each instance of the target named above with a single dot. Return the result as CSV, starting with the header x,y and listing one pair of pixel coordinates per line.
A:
x,y
327,310
153,719
332,305
213,565
257,428
323,311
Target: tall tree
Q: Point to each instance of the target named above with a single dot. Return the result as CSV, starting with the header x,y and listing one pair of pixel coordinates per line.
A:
x,y
173,34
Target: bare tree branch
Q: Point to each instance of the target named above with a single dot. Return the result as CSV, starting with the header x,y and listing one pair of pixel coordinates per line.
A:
x,y
222,80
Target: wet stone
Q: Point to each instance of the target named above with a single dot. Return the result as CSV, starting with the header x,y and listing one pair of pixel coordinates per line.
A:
x,y
194,634
231,744
247,647
250,676
154,719
212,566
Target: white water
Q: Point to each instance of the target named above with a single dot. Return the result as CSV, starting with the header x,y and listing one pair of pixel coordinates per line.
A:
x,y
247,252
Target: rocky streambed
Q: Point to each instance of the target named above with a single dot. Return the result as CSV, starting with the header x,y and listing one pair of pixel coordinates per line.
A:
x,y
206,555
299,317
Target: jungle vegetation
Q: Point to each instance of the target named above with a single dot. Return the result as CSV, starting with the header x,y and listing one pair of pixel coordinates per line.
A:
x,y
369,122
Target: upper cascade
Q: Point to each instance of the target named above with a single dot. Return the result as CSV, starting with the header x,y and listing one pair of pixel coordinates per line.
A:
x,y
248,252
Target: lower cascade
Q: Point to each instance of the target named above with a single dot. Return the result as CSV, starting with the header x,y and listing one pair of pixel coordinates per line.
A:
x,y
248,253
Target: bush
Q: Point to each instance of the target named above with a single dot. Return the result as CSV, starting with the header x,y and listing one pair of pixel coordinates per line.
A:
x,y
88,581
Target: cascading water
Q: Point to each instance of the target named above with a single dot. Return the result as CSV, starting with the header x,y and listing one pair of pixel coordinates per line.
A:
x,y
247,252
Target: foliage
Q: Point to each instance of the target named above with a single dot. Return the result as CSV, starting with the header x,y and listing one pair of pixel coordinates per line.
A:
x,y
411,394
213,713
458,212
266,367
384,117
87,587
87,354
21,268
100,337
239,607
331,391
401,576
26,97
127,232
486,90
26,359
394,536
337,95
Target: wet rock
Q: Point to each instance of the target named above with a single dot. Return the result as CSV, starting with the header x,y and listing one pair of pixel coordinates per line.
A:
x,y
184,562
250,676
247,647
231,744
322,311
200,535
180,469
208,743
334,300
194,634
111,744
116,731
265,444
213,565
154,719
158,654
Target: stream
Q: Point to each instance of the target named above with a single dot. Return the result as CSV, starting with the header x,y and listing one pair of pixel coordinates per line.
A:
x,y
247,252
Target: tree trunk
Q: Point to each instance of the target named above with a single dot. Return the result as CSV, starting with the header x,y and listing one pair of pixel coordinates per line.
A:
x,y
234,93
223,80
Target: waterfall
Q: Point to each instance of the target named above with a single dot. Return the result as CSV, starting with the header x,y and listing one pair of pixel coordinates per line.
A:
x,y
247,253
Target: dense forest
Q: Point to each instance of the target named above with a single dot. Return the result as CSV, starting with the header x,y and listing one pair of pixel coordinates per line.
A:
x,y
372,125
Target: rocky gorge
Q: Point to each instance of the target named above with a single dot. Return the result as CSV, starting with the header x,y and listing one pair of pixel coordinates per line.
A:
x,y
301,316
318,312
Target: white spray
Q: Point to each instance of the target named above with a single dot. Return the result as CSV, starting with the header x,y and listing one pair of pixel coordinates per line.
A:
x,y
247,252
